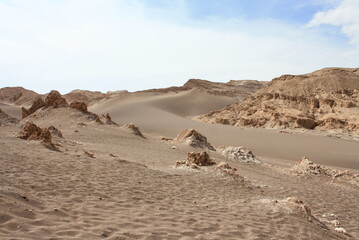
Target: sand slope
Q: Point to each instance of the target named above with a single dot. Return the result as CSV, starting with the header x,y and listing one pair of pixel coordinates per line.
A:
x,y
136,193
168,114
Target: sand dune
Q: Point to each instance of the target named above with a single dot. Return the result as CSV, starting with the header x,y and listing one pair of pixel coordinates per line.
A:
x,y
130,189
132,179
155,114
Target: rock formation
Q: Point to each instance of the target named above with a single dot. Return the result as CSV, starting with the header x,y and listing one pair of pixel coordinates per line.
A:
x,y
307,167
53,99
135,130
81,106
108,120
193,138
37,104
32,132
327,99
240,154
195,159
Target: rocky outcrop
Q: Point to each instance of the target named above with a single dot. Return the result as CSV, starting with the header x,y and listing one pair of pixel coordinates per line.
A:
x,y
240,154
55,99
195,159
32,132
132,128
193,138
307,167
81,106
37,104
108,120
323,100
292,205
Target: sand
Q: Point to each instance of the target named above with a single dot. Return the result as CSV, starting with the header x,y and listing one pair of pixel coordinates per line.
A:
x,y
130,188
151,113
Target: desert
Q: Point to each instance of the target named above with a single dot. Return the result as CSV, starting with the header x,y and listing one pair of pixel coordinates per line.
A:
x,y
206,160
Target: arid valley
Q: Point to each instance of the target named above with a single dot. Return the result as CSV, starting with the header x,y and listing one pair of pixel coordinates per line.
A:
x,y
207,160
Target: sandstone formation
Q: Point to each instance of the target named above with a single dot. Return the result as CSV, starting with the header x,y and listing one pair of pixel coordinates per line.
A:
x,y
240,154
193,138
53,99
81,106
227,170
108,120
195,159
37,104
32,132
307,167
135,130
327,99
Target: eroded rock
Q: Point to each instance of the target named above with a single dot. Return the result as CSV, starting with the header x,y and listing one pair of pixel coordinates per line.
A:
x,y
193,138
240,154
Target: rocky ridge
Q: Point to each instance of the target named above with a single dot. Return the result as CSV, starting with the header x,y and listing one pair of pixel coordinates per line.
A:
x,y
327,99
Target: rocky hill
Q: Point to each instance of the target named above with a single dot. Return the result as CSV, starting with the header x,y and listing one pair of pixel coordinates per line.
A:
x,y
238,89
17,95
326,99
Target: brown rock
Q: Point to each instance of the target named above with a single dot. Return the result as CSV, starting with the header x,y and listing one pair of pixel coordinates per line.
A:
x,y
81,106
307,123
194,139
54,99
32,132
135,130
108,119
37,104
199,158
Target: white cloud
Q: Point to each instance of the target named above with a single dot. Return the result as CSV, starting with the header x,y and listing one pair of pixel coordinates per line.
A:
x,y
345,15
108,45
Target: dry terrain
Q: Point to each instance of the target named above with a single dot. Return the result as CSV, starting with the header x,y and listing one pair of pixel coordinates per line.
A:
x,y
326,99
147,170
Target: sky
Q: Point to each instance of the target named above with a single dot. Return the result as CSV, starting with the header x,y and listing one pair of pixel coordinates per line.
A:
x,y
108,45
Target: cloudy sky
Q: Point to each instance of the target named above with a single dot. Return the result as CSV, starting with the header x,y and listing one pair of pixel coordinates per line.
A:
x,y
140,44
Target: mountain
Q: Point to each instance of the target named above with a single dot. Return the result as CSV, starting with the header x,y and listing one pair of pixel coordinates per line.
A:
x,y
326,99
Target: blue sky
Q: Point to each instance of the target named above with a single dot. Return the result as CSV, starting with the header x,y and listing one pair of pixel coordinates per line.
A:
x,y
140,44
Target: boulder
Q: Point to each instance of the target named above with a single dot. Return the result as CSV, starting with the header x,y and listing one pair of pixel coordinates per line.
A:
x,y
194,139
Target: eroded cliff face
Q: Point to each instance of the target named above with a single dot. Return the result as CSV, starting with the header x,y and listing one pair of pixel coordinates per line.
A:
x,y
327,99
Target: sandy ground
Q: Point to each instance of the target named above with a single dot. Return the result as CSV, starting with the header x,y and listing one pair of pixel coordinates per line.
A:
x,y
132,190
171,113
